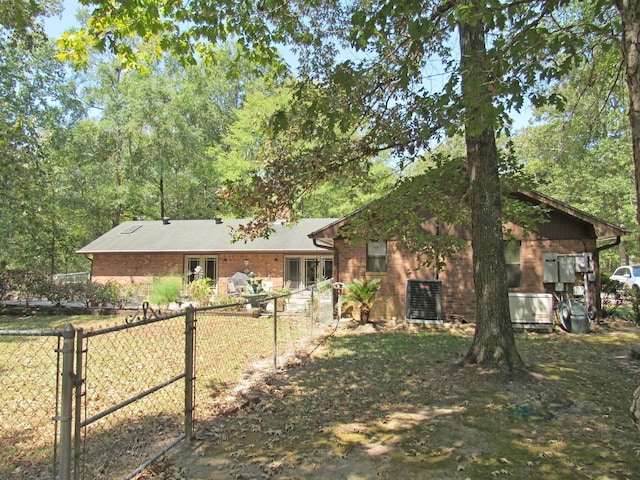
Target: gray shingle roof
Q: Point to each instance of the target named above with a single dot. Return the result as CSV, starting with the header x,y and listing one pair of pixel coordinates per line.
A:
x,y
202,236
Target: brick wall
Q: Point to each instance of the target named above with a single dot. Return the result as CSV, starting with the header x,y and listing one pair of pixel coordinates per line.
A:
x,y
137,268
457,277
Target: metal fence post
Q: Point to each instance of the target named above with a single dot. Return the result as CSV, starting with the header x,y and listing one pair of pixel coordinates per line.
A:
x,y
312,313
79,394
66,401
275,335
189,371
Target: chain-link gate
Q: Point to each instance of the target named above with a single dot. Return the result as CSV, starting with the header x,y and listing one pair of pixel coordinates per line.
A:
x,y
30,393
130,395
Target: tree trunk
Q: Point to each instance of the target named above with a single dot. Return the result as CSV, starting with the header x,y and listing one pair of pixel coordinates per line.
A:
x,y
493,343
364,315
630,16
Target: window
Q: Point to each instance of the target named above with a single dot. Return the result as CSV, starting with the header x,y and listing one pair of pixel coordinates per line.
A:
x,y
208,267
512,261
377,257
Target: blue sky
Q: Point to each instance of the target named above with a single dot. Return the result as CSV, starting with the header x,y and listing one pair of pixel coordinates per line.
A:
x,y
55,26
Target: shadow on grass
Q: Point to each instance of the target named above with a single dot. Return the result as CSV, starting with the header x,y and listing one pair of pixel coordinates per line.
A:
x,y
394,405
107,452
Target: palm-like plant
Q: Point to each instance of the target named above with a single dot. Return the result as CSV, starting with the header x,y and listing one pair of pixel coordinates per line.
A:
x,y
363,295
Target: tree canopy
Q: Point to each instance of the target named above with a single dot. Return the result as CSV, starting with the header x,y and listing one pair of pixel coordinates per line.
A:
x,y
377,85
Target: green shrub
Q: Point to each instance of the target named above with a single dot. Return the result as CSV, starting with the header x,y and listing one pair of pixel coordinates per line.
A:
x,y
165,290
57,293
84,292
108,294
200,290
614,294
224,300
27,284
5,282
635,305
128,293
362,295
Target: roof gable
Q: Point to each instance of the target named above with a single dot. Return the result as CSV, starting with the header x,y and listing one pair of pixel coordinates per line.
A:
x,y
601,228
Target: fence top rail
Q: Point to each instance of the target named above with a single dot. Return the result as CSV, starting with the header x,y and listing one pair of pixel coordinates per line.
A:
x,y
134,324
33,333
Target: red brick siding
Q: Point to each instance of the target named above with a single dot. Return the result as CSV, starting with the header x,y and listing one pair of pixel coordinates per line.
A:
x,y
457,277
138,268
135,268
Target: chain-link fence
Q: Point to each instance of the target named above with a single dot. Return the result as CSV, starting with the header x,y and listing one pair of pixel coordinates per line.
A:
x,y
29,403
136,386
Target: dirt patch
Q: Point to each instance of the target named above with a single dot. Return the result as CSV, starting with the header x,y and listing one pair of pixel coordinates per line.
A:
x,y
371,403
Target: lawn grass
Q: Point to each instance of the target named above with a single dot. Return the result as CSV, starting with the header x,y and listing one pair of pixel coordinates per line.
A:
x,y
117,365
395,404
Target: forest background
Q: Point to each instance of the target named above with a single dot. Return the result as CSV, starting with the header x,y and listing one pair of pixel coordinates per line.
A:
x,y
82,150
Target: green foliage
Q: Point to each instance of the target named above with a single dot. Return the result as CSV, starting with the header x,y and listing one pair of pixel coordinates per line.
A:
x,y
165,290
582,154
620,299
108,293
635,305
57,293
362,295
86,293
201,290
6,285
38,108
26,284
613,295
224,300
20,20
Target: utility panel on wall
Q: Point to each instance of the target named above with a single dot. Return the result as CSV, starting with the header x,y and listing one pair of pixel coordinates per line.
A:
x,y
424,301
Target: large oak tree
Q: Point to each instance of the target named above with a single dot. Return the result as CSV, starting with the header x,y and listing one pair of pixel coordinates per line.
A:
x,y
374,76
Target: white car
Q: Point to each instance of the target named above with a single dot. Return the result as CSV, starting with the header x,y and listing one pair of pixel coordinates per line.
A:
x,y
629,274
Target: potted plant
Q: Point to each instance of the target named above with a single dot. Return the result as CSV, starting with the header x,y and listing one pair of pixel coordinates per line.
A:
x,y
362,295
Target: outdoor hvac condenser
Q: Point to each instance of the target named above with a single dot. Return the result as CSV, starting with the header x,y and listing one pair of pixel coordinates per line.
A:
x,y
424,301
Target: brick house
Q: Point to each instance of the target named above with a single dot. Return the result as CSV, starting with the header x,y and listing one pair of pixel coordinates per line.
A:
x,y
135,251
313,249
568,234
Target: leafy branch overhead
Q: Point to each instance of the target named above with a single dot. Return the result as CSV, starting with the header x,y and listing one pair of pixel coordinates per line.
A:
x,y
378,80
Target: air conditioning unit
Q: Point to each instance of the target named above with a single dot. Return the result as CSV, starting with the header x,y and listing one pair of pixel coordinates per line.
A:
x,y
424,301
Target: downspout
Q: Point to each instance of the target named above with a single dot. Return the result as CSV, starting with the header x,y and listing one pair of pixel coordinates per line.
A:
x,y
608,246
597,262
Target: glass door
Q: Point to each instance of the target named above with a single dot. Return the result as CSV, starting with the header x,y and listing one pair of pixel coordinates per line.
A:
x,y
310,271
292,273
303,272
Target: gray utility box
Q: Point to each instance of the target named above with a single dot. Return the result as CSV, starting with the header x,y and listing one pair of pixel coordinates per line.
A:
x,y
562,268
